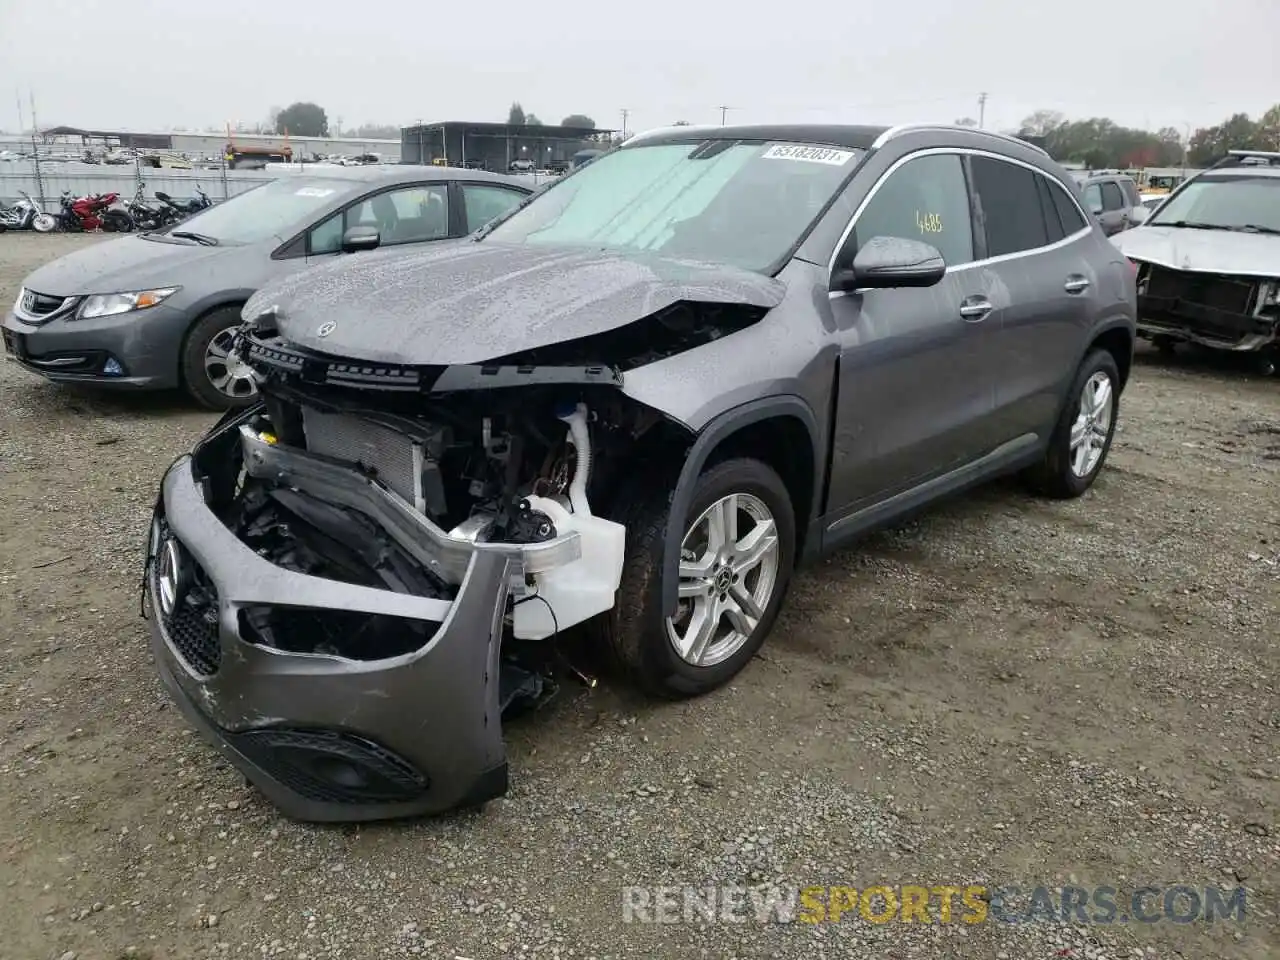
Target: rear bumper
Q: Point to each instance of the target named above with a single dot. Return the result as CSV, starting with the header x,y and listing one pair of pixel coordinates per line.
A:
x,y
312,731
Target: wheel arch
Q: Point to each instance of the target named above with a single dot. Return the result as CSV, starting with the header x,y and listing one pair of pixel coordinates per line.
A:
x,y
1117,338
779,431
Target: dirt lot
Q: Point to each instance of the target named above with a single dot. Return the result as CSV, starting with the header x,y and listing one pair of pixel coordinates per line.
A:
x,y
1006,691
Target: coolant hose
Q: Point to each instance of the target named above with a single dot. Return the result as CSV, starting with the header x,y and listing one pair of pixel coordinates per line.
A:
x,y
580,437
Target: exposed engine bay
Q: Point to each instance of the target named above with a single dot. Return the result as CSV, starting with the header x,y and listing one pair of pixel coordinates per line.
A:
x,y
541,462
1223,311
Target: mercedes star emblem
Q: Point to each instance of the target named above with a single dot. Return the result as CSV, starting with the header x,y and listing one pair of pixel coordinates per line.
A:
x,y
326,328
169,576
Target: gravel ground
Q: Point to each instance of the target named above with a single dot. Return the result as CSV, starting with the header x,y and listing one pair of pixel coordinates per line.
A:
x,y
1005,691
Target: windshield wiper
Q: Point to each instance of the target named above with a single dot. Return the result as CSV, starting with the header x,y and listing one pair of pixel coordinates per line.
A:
x,y
1256,228
1190,225
201,238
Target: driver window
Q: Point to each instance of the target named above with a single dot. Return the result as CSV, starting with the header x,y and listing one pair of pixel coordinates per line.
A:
x,y
1093,198
925,199
326,237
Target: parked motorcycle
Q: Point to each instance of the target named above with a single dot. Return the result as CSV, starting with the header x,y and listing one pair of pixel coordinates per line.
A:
x,y
147,216
85,215
186,208
20,215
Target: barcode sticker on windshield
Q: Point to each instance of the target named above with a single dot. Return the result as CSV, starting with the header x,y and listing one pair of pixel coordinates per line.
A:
x,y
809,154
313,192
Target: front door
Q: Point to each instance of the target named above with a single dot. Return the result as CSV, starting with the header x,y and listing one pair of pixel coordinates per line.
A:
x,y
916,379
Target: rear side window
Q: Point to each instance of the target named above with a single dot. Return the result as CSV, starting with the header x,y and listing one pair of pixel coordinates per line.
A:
x,y
1009,201
1131,195
1112,198
1053,226
1068,213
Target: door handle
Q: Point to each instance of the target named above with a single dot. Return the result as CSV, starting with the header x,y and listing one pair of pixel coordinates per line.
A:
x,y
1076,284
974,309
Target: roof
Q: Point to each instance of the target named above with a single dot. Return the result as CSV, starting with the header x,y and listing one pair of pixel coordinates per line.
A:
x,y
839,135
533,131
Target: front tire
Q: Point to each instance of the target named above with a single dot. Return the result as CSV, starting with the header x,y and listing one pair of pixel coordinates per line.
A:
x,y
1082,438
736,560
213,377
43,223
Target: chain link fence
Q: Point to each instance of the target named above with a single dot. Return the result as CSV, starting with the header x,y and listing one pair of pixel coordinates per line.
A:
x,y
45,173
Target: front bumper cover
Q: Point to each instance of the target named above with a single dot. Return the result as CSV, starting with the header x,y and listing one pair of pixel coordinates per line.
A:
x,y
323,737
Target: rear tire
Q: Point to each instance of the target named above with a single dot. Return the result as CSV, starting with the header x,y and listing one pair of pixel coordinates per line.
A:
x,y
116,221
203,376
643,640
1082,438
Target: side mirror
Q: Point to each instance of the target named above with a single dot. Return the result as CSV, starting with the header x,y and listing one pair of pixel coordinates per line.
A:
x,y
890,262
1139,215
361,238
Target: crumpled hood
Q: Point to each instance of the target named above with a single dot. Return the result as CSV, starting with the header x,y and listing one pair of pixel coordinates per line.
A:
x,y
126,263
470,302
1203,251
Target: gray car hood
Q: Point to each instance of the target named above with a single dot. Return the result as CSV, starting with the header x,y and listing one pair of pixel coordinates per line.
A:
x,y
123,264
472,302
1203,251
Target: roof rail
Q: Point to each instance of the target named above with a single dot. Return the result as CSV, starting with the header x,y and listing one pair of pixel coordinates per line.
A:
x,y
903,128
1240,158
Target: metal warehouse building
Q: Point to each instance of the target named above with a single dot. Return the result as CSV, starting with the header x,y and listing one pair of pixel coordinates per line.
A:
x,y
493,145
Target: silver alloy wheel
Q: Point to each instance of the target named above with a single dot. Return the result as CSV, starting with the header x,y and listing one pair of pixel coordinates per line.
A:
x,y
1092,425
228,374
727,578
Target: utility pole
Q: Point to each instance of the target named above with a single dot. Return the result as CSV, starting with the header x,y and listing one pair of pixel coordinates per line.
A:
x,y
723,112
35,150
625,113
982,109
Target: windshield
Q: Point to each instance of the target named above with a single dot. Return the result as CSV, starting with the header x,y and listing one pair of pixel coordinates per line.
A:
x,y
265,211
719,201
1226,202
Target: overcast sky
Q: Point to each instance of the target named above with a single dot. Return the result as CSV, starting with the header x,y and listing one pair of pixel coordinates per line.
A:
x,y
152,64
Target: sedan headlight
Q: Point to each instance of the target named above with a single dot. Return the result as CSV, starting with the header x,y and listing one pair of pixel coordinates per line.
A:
x,y
110,304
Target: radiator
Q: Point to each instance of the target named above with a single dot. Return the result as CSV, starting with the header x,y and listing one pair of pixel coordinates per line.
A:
x,y
393,458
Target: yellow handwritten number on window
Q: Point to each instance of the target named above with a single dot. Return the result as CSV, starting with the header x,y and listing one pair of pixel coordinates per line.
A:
x,y
929,222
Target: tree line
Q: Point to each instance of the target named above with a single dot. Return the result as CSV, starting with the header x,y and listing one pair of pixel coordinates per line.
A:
x,y
1099,142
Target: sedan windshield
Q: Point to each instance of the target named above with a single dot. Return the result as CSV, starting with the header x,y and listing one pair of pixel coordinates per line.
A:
x,y
265,211
1244,203
719,201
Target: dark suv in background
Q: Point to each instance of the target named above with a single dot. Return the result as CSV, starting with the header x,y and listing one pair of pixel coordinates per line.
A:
x,y
1114,199
635,403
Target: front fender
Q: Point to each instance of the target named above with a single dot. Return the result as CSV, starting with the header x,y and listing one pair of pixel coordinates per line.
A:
x,y
708,439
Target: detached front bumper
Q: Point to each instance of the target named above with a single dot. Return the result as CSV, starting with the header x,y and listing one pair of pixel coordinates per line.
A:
x,y
323,737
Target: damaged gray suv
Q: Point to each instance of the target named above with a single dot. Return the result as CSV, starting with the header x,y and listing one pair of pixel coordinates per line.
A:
x,y
635,403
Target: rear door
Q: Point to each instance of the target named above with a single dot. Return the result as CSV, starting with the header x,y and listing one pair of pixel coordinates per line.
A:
x,y
915,391
1038,242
